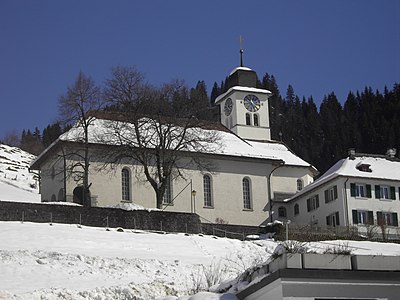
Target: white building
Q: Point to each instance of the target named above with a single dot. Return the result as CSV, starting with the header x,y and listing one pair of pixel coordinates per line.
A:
x,y
361,190
250,168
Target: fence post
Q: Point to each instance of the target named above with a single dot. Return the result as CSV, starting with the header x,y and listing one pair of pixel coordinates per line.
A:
x,y
51,219
22,221
107,222
134,223
161,225
186,228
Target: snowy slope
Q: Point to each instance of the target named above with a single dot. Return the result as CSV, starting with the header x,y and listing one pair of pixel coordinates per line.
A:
x,y
16,182
39,261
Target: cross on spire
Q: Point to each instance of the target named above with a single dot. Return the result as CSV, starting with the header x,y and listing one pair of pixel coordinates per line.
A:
x,y
241,50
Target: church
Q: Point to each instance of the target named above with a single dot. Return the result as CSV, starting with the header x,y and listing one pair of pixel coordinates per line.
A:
x,y
252,173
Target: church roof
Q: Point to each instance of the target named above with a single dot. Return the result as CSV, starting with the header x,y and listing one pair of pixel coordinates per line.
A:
x,y
229,145
241,89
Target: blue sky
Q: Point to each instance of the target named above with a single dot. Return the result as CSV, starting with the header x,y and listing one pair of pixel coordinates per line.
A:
x,y
316,46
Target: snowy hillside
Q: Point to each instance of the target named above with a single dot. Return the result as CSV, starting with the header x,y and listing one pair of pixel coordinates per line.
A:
x,y
16,182
39,261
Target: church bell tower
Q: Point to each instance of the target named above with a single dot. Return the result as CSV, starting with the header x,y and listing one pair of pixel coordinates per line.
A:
x,y
244,107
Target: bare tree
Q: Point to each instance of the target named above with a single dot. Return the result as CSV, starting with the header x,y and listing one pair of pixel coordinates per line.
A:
x,y
149,132
76,108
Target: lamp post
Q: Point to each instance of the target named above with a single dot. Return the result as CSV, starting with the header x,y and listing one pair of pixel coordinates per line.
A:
x,y
280,164
194,200
287,229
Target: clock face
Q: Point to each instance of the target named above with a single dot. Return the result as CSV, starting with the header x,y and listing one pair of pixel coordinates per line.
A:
x,y
252,103
228,106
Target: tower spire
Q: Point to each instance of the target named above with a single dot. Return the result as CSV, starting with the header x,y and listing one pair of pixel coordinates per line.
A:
x,y
241,50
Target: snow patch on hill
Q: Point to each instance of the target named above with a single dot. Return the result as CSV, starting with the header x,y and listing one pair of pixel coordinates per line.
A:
x,y
16,182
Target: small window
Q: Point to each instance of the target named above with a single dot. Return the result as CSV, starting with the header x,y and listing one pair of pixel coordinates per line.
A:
x,y
167,199
282,212
246,193
296,209
313,203
299,184
248,119
126,183
363,217
333,219
360,190
331,194
387,218
385,192
255,119
207,191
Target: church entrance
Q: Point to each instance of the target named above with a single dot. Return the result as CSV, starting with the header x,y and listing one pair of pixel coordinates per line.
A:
x,y
78,195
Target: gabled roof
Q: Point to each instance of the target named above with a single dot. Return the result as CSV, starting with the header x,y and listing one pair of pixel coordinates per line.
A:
x,y
229,145
376,167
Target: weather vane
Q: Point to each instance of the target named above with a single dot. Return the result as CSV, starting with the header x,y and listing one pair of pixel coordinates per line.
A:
x,y
241,50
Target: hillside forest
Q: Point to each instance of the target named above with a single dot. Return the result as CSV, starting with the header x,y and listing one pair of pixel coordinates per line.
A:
x,y
368,121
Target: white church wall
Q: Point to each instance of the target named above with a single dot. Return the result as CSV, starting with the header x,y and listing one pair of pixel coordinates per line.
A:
x,y
51,180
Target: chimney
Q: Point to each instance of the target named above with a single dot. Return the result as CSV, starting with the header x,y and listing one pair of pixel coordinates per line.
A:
x,y
391,153
351,152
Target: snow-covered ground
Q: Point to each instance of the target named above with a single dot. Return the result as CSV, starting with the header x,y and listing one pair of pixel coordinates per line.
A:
x,y
39,261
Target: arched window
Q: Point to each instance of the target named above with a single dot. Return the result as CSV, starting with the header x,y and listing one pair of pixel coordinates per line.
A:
x,y
207,191
296,209
246,193
282,212
168,192
299,184
126,184
255,119
248,119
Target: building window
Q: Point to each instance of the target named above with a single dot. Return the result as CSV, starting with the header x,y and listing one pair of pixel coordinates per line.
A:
x,y
207,191
333,219
385,192
167,199
282,212
248,119
296,209
126,183
387,218
313,203
246,193
363,217
299,184
331,194
360,190
256,120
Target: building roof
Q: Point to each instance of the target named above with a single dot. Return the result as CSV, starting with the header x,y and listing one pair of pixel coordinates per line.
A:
x,y
366,166
242,89
229,144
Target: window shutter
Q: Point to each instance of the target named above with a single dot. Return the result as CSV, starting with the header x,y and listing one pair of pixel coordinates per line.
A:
x,y
370,218
377,192
328,221
392,193
317,201
335,192
337,218
352,189
308,204
379,217
369,194
395,221
326,196
355,216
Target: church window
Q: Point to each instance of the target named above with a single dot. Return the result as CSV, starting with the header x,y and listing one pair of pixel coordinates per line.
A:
x,y
299,184
126,180
282,212
296,209
256,120
248,119
167,199
246,193
207,191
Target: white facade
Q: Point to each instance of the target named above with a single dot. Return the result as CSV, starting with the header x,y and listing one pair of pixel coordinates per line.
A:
x,y
361,190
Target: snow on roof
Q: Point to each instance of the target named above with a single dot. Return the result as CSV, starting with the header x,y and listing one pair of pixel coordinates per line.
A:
x,y
242,89
379,168
240,68
228,143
